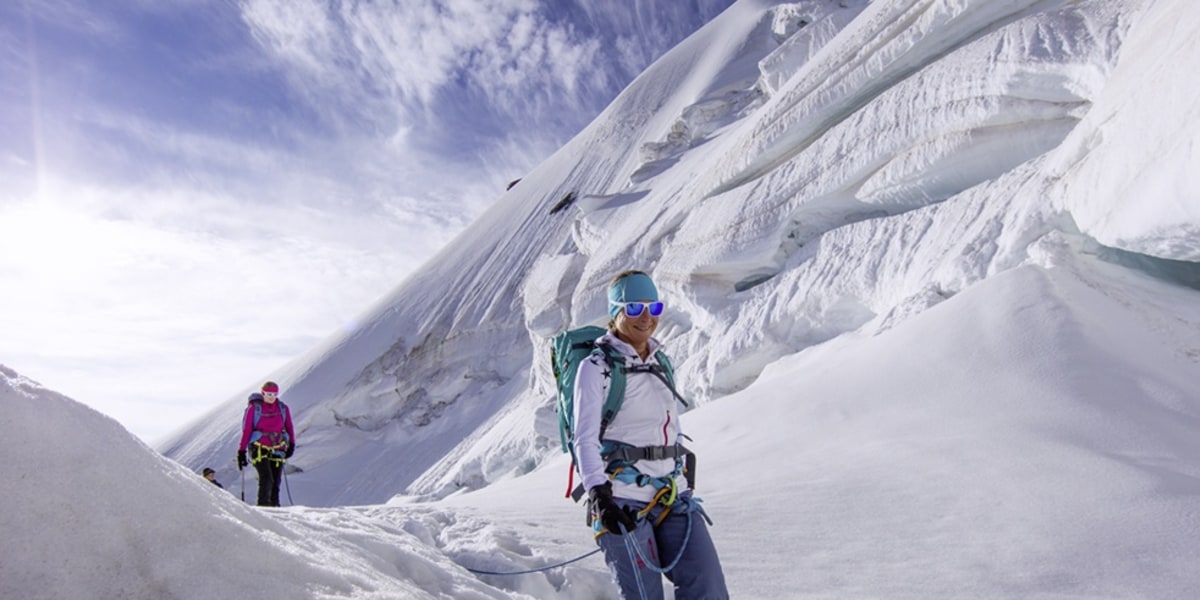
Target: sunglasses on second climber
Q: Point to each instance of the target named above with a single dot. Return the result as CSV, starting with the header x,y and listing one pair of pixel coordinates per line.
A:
x,y
634,309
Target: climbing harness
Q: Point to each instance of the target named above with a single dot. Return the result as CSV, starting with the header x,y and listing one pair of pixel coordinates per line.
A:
x,y
622,457
274,453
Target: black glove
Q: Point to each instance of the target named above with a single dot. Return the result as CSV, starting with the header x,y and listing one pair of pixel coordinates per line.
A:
x,y
242,462
290,449
610,514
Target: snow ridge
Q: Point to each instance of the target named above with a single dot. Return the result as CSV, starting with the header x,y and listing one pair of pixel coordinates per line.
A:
x,y
793,173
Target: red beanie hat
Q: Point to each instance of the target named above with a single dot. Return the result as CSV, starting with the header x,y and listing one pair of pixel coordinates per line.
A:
x,y
270,386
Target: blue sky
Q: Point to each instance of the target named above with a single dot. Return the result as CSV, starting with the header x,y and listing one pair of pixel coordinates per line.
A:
x,y
195,192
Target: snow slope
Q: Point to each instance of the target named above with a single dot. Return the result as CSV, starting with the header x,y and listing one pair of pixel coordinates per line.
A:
x,y
89,511
1034,436
790,173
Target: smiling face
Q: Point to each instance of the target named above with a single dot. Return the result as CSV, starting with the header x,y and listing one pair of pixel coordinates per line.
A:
x,y
636,331
634,290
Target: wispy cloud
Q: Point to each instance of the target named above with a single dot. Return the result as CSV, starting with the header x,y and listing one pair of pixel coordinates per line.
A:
x,y
429,67
215,186
426,66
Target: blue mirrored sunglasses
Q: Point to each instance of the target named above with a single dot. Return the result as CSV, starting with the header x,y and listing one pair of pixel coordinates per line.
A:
x,y
634,309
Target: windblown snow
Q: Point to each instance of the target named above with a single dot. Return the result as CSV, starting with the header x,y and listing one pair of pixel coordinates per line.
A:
x,y
932,272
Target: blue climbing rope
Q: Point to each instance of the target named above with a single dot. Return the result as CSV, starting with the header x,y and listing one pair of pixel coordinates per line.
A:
x,y
286,486
686,536
631,547
545,568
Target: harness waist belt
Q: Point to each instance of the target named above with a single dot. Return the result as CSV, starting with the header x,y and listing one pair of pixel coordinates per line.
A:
x,y
632,453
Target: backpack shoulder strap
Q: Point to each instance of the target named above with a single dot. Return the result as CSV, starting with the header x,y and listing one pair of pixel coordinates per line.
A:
x,y
283,412
667,369
616,384
255,434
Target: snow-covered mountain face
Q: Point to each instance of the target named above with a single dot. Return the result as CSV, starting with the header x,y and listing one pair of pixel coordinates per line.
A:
x,y
792,173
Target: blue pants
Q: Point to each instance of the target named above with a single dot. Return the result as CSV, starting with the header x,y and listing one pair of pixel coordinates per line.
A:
x,y
697,575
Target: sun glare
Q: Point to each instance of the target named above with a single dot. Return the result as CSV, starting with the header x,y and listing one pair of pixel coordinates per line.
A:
x,y
44,239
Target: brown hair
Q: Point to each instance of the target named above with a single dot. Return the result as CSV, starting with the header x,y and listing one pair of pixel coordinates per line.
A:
x,y
624,274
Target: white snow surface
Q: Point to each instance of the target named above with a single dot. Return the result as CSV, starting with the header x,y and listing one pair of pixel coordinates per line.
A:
x,y
933,287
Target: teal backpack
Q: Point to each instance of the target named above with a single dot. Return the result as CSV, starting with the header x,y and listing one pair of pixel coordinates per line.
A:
x,y
570,348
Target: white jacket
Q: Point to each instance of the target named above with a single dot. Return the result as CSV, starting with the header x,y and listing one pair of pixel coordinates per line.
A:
x,y
648,417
